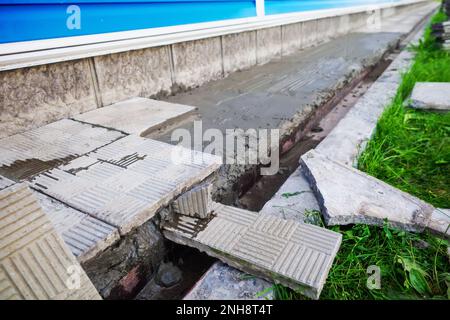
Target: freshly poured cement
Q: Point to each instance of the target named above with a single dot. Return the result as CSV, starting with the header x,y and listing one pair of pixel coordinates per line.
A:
x,y
34,261
295,254
128,181
139,116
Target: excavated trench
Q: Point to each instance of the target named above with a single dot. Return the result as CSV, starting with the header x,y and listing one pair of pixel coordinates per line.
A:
x,y
191,263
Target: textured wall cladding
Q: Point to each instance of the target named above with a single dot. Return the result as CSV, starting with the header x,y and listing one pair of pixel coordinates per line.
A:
x,y
239,51
197,62
309,30
291,38
135,73
268,42
32,97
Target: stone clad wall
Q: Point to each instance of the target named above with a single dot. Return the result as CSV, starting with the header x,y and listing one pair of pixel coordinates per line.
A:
x,y
34,96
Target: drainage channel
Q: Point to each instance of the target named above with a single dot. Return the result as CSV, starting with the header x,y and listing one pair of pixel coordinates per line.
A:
x,y
185,265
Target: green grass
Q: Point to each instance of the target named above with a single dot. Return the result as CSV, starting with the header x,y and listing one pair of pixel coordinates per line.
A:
x,y
411,149
412,266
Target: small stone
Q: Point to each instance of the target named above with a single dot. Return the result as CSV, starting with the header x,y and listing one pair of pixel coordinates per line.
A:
x,y
168,275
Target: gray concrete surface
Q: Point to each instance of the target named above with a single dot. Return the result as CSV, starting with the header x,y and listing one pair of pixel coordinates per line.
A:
x,y
35,263
139,116
430,95
196,202
294,254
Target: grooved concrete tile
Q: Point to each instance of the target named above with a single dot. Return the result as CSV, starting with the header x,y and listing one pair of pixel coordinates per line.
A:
x,y
195,202
5,182
143,116
347,196
85,236
222,282
34,261
126,182
295,254
431,95
26,154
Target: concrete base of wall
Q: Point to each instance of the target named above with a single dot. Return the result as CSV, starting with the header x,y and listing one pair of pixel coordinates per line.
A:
x,y
34,96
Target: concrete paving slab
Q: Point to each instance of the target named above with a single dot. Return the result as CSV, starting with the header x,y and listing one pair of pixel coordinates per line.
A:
x,y
349,196
34,261
5,182
139,116
440,221
222,282
294,254
430,95
196,202
26,154
126,182
294,200
85,236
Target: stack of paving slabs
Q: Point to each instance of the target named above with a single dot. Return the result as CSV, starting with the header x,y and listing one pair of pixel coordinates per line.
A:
x,y
295,254
195,202
34,261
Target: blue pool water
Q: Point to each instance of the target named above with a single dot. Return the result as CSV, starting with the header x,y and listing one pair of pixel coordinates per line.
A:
x,y
23,20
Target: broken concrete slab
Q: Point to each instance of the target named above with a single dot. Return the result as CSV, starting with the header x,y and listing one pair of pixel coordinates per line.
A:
x,y
348,196
196,202
26,154
222,282
34,261
294,254
294,200
139,116
430,95
126,182
440,222
85,236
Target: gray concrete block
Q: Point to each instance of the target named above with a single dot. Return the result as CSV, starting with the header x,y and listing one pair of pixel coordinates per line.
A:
x,y
196,202
222,282
349,196
239,51
327,28
309,33
294,200
431,95
268,44
26,154
33,97
291,38
139,116
85,236
197,62
137,73
294,254
126,182
35,264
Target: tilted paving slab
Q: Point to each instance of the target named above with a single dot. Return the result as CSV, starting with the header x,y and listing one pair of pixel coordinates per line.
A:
x,y
5,182
222,282
294,200
34,261
440,221
139,116
85,236
26,154
430,95
294,254
348,196
126,182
